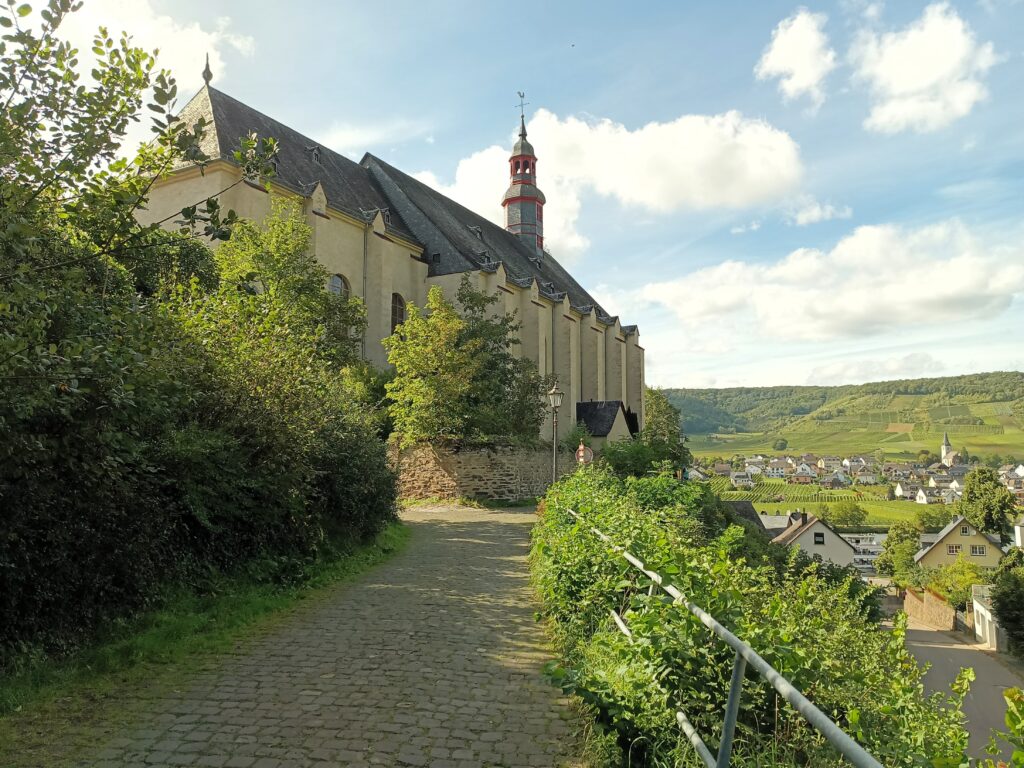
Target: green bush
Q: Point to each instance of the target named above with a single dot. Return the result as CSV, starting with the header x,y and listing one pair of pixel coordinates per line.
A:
x,y
1008,605
160,420
805,619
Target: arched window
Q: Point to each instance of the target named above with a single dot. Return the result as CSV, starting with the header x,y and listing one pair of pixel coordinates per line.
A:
x,y
339,284
397,311
517,166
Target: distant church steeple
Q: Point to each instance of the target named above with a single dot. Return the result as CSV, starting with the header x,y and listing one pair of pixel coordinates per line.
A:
x,y
523,201
947,447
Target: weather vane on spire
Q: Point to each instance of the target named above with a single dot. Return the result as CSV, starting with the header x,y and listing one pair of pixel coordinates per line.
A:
x,y
522,103
207,74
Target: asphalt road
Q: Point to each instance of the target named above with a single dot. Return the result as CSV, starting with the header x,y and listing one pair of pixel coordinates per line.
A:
x,y
947,653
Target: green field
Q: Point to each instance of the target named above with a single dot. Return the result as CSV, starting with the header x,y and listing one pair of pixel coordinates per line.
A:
x,y
983,413
879,512
843,439
810,498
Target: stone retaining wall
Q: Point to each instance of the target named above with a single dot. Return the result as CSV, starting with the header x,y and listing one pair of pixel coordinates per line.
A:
x,y
930,609
498,473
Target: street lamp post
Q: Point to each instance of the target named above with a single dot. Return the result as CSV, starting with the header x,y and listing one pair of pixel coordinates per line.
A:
x,y
555,401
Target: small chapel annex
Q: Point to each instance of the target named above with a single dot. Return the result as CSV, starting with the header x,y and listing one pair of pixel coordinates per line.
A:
x,y
387,238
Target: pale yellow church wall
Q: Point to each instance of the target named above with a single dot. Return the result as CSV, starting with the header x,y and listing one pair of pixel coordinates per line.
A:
x,y
591,362
635,382
615,361
590,359
528,314
566,336
183,189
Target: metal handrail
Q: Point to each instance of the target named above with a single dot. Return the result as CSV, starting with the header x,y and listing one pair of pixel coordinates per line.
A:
x,y
745,655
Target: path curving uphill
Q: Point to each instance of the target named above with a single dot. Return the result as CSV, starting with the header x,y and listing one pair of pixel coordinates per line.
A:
x,y
431,659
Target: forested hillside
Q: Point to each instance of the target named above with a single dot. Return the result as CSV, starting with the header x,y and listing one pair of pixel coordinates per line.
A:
x,y
981,411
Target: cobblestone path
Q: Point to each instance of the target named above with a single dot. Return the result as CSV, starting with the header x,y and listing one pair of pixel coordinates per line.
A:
x,y
431,659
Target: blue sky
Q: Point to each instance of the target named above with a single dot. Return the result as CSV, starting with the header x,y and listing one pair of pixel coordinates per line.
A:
x,y
776,193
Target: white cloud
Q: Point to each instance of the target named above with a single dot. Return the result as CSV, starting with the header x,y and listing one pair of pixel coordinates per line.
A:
x,y
910,366
877,280
800,56
695,162
925,76
740,229
807,210
182,46
357,138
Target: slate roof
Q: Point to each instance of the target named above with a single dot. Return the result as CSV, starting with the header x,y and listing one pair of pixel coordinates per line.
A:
x,y
349,187
598,416
746,511
464,240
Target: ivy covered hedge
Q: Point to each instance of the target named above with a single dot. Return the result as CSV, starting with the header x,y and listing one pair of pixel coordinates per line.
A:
x,y
813,623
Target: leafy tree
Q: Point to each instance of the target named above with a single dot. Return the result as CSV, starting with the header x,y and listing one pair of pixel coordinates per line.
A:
x,y
986,503
932,517
275,258
576,435
662,431
1008,605
847,513
482,391
780,445
434,372
901,538
954,581
159,423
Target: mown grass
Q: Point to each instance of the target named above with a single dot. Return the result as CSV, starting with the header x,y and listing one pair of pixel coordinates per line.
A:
x,y
879,512
51,707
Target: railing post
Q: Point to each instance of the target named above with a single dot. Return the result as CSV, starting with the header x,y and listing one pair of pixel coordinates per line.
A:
x,y
732,709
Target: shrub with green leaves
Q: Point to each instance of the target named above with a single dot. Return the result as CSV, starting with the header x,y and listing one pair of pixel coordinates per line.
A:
x,y
805,619
160,419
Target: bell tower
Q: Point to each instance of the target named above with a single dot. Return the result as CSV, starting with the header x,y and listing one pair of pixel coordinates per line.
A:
x,y
523,201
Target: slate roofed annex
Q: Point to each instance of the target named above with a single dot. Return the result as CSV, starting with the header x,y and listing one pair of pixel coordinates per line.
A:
x,y
387,238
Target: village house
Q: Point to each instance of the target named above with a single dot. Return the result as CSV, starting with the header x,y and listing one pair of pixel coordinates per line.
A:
x,y
722,469
957,539
816,538
606,421
741,480
776,469
865,477
830,463
387,238
906,490
803,476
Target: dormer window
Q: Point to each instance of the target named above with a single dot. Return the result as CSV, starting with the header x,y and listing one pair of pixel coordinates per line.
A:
x,y
386,213
315,152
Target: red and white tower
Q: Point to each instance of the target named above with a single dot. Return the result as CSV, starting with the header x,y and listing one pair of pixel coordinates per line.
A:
x,y
523,201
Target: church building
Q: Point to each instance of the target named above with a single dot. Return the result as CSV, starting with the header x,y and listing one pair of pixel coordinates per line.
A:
x,y
387,238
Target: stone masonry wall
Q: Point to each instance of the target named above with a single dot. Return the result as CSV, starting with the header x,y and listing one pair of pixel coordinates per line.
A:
x,y
929,609
499,473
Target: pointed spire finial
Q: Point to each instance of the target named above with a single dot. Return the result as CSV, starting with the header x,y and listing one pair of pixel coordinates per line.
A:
x,y
207,74
522,114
